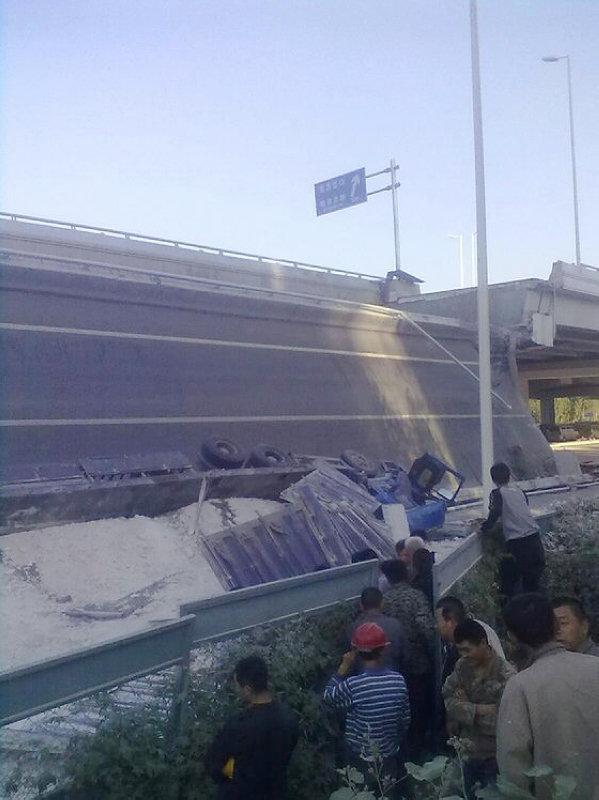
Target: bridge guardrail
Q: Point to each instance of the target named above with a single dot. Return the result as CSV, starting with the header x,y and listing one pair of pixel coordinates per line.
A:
x,y
38,687
201,248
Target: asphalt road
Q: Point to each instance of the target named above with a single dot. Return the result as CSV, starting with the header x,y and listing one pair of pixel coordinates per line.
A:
x,y
100,367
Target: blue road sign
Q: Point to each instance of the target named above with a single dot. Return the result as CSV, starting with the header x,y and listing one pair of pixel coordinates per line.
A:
x,y
340,192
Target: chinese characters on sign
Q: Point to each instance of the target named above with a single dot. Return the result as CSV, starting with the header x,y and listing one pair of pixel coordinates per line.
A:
x,y
340,192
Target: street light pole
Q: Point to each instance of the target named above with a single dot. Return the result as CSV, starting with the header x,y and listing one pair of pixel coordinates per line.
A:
x,y
484,334
552,59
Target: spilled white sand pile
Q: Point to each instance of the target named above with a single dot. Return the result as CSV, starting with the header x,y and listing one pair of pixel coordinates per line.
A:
x,y
69,586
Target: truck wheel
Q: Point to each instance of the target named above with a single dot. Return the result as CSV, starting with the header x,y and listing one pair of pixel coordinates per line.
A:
x,y
359,462
220,452
265,455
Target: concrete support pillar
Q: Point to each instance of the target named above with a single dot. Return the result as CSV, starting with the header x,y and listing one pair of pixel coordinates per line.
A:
x,y
547,411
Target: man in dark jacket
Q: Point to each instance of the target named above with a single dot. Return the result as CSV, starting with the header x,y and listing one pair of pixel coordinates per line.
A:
x,y
411,608
371,610
248,758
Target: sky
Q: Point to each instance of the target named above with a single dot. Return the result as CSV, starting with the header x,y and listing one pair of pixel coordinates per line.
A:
x,y
210,120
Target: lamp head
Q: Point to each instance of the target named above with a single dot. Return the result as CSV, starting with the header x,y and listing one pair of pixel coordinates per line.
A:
x,y
550,59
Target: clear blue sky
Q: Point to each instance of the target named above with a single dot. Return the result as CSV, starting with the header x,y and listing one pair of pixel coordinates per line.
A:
x,y
210,120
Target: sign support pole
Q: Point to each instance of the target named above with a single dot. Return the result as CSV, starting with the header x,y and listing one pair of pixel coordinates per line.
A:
x,y
484,335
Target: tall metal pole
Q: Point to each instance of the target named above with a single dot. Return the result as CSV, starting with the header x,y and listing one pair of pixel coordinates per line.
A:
x,y
473,258
484,336
393,167
573,152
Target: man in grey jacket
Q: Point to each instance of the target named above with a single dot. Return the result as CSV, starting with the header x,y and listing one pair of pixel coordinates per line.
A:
x,y
523,562
549,712
573,626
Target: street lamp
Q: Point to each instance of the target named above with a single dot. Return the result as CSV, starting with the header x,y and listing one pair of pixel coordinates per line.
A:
x,y
460,239
482,291
551,60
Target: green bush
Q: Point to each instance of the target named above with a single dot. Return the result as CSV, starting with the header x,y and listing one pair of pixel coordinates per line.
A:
x,y
134,754
572,552
572,548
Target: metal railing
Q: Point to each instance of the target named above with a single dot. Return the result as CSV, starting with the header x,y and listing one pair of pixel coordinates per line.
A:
x,y
201,248
38,687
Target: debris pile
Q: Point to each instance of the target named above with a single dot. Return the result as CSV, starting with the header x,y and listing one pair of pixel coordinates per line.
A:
x,y
328,519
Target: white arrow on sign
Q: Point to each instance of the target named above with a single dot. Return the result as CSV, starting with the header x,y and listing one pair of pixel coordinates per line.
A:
x,y
355,185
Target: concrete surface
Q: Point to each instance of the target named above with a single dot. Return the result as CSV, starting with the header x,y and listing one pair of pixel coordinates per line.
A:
x,y
100,367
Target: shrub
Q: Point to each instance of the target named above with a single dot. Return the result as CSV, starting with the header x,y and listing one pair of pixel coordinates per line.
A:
x,y
133,755
572,552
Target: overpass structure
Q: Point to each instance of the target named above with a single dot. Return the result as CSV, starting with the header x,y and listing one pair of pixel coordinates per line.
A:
x,y
552,327
115,344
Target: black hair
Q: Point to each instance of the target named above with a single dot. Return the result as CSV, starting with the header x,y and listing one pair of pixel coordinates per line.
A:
x,y
470,631
529,617
395,571
371,598
500,473
423,560
574,604
363,555
452,608
253,672
372,655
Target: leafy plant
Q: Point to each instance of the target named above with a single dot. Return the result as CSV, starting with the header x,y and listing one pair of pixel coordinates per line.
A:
x,y
135,755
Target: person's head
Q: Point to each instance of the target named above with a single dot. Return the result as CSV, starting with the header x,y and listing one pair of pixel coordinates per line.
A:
x,y
572,622
449,613
395,571
411,546
500,474
251,677
371,599
423,561
529,619
471,640
370,640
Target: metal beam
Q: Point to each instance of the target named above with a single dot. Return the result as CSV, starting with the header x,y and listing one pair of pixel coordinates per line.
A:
x,y
229,614
47,684
585,368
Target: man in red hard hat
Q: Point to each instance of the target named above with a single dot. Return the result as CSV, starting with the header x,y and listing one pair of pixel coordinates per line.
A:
x,y
375,703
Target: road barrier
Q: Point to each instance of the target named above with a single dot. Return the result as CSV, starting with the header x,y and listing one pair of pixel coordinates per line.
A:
x,y
34,688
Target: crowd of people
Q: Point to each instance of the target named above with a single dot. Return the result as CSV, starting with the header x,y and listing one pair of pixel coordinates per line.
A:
x,y
502,718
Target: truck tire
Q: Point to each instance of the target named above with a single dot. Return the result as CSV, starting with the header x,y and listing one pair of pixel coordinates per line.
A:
x,y
265,455
220,452
359,462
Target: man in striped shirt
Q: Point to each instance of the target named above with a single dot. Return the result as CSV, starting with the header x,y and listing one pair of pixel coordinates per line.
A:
x,y
375,702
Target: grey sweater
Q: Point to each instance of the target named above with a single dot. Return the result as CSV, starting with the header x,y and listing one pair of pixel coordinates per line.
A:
x,y
549,717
